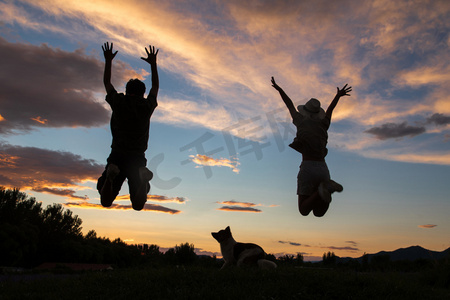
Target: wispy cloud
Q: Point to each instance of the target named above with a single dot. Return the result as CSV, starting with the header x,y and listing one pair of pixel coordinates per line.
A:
x,y
239,209
397,65
427,157
351,243
204,160
290,243
345,248
237,203
153,207
155,198
232,205
60,192
114,206
192,113
352,248
427,226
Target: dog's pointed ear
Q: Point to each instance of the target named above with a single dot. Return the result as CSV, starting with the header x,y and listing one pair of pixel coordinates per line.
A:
x,y
228,228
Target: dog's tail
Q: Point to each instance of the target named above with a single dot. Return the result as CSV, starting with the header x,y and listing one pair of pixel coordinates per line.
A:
x,y
266,264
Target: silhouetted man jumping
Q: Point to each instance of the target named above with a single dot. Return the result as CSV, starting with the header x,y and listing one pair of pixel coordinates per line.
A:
x,y
130,125
314,186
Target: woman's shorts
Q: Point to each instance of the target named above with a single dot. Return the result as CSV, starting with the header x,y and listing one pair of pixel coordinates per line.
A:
x,y
311,174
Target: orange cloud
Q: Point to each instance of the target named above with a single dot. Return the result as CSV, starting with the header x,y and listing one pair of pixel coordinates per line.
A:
x,y
240,209
204,160
436,157
53,172
232,202
60,192
8,160
147,207
40,120
232,205
156,198
427,226
1,118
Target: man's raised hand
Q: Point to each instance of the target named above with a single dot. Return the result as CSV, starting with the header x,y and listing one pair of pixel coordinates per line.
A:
x,y
151,56
107,51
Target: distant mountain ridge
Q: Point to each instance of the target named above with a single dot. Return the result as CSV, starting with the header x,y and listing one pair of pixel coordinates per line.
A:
x,y
411,253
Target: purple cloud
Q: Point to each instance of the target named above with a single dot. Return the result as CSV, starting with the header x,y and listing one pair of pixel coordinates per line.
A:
x,y
239,208
48,87
42,170
395,130
290,243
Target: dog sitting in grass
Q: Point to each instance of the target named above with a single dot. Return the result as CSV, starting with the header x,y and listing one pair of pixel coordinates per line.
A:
x,y
241,254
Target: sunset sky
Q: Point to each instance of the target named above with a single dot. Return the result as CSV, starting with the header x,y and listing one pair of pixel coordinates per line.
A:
x,y
219,138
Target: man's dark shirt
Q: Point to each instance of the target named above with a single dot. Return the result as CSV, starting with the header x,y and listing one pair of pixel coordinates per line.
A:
x,y
130,121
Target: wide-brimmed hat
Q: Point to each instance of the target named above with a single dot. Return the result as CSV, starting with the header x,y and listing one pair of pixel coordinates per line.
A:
x,y
312,109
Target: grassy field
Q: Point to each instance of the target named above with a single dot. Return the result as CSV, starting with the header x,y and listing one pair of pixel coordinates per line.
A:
x,y
195,282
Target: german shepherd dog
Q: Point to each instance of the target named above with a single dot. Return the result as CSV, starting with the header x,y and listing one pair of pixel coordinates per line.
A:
x,y
240,254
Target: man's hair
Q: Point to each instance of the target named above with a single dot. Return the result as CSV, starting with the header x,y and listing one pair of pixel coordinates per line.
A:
x,y
135,87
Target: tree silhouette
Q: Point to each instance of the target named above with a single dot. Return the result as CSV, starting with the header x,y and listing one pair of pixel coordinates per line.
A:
x,y
180,255
329,258
30,235
61,224
185,253
20,220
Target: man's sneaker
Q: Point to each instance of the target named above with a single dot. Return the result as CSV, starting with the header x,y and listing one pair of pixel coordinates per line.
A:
x,y
106,195
138,200
145,174
324,193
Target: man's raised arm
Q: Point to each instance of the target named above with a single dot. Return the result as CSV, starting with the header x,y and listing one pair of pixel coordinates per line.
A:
x,y
151,59
109,56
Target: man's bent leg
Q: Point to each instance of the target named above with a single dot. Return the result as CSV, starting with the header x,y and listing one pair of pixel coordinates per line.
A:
x,y
106,187
140,197
138,182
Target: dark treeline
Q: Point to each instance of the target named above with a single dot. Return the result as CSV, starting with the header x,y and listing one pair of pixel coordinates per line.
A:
x,y
31,235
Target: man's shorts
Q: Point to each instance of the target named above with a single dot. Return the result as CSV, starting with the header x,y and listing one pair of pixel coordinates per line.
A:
x,y
311,174
129,165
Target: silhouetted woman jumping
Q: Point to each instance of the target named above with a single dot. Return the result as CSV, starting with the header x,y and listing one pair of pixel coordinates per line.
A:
x,y
314,186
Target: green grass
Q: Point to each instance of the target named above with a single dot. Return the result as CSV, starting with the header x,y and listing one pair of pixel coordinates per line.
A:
x,y
195,282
